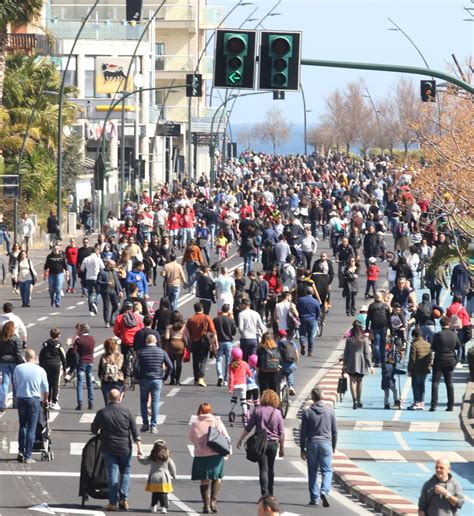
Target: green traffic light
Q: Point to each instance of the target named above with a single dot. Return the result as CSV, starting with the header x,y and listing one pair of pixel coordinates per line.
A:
x,y
233,78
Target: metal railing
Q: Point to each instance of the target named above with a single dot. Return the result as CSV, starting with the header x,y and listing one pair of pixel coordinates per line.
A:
x,y
30,43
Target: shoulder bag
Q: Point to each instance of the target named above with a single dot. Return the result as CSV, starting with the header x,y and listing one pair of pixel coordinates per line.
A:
x,y
217,441
256,445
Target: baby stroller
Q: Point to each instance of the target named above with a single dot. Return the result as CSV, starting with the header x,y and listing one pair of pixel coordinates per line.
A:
x,y
93,481
42,442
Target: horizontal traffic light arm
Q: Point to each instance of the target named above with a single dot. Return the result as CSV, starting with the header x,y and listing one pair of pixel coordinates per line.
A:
x,y
391,68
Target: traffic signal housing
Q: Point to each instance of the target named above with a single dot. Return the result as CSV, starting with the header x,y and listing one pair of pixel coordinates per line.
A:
x,y
428,91
234,59
193,85
279,61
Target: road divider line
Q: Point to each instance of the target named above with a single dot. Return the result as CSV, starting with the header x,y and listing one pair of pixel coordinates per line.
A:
x,y
187,380
42,318
181,505
173,392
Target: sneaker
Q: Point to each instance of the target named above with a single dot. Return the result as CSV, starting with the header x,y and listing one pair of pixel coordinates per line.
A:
x,y
20,457
220,381
123,504
201,382
324,500
154,429
107,325
313,502
55,406
2,412
30,461
92,314
153,508
110,507
226,383
164,510
94,308
90,406
387,406
419,406
145,428
292,391
432,409
303,349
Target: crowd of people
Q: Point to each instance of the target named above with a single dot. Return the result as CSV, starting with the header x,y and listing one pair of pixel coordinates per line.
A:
x,y
273,212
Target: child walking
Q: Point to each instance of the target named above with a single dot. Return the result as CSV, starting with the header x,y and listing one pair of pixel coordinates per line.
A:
x,y
252,394
239,371
372,276
389,384
162,471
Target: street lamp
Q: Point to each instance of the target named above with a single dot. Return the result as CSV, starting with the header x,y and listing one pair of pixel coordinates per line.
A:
x,y
368,96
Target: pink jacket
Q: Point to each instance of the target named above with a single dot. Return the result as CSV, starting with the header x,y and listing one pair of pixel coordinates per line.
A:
x,y
238,375
198,434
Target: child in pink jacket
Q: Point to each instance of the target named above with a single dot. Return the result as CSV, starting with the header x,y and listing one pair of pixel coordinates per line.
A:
x,y
239,370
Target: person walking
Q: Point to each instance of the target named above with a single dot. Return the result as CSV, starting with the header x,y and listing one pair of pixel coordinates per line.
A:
x,y
52,359
117,428
351,285
419,366
225,289
174,279
201,334
110,369
84,346
152,361
192,260
32,392
208,465
71,253
251,327
378,322
90,268
268,364
26,230
175,340
139,339
110,290
126,325
442,494
162,471
267,418
82,253
308,308
226,330
20,328
357,361
55,268
205,288
444,346
318,438
25,276
10,357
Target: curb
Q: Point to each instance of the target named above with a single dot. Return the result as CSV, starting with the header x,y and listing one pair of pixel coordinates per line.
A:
x,y
354,480
467,413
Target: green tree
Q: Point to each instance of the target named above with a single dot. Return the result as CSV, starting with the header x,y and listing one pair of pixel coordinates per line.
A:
x,y
14,12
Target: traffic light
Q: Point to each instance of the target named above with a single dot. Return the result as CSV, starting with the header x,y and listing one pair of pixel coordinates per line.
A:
x,y
234,59
193,85
279,61
428,91
133,10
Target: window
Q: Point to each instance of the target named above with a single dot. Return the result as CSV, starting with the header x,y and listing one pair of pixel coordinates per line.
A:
x,y
159,60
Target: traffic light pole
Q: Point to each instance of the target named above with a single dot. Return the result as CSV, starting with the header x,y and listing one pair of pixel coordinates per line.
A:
x,y
391,68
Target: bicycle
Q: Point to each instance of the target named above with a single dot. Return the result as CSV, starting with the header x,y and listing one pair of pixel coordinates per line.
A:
x,y
321,320
284,397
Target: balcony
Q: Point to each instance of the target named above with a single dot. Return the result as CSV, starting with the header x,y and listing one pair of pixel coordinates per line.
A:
x,y
101,30
30,44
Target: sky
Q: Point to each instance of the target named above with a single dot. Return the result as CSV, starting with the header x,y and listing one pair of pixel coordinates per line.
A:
x,y
356,31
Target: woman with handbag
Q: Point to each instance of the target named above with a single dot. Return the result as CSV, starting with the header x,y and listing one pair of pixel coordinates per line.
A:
x,y
208,465
111,369
176,341
357,361
266,419
10,357
24,275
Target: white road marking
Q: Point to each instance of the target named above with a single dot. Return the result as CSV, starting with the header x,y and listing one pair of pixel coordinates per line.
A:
x,y
187,380
424,426
44,508
181,505
30,325
173,392
70,307
451,456
42,318
161,419
87,418
405,391
386,456
374,426
398,436
55,313
80,303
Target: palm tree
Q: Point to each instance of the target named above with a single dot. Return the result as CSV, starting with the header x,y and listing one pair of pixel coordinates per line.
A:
x,y
14,12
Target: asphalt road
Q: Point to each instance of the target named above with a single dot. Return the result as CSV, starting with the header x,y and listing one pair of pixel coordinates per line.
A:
x,y
56,483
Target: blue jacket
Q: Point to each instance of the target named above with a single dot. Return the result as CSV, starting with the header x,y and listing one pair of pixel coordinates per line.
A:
x,y
140,281
308,308
151,359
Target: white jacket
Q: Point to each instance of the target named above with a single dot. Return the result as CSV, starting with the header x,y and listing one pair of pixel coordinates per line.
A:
x,y
92,265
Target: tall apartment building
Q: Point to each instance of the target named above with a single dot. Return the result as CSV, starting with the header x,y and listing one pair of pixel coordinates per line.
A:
x,y
155,120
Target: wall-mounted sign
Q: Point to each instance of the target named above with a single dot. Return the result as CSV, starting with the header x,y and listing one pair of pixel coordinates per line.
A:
x,y
110,74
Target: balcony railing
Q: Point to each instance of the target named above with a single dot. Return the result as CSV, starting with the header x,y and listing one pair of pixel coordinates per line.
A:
x,y
106,30
30,44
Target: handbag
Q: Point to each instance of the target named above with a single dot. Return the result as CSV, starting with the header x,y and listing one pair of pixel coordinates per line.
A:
x,y
292,320
186,354
33,277
218,442
342,386
256,444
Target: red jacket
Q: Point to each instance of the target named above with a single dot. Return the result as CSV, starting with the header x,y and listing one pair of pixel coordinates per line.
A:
x,y
460,311
124,332
71,255
373,272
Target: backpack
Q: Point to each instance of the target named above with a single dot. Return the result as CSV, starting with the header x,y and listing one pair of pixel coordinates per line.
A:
x,y
455,322
285,275
287,351
402,229
111,373
270,360
292,320
129,320
425,311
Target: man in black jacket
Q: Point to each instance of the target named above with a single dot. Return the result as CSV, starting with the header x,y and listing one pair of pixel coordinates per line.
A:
x,y
116,425
378,321
110,290
445,344
371,246
151,360
318,438
205,288
226,329
55,268
139,339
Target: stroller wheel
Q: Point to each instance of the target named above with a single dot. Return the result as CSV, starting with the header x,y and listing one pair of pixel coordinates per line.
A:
x,y
44,456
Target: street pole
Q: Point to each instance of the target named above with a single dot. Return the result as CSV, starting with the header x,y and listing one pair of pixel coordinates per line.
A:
x,y
59,178
305,122
369,96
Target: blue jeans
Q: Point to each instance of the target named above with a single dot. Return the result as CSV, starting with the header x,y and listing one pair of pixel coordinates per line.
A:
x,y
223,353
380,341
72,275
191,269
319,455
248,263
85,369
173,296
25,291
92,286
308,331
7,372
212,230
118,469
151,386
55,283
107,387
4,235
28,414
418,386
288,369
